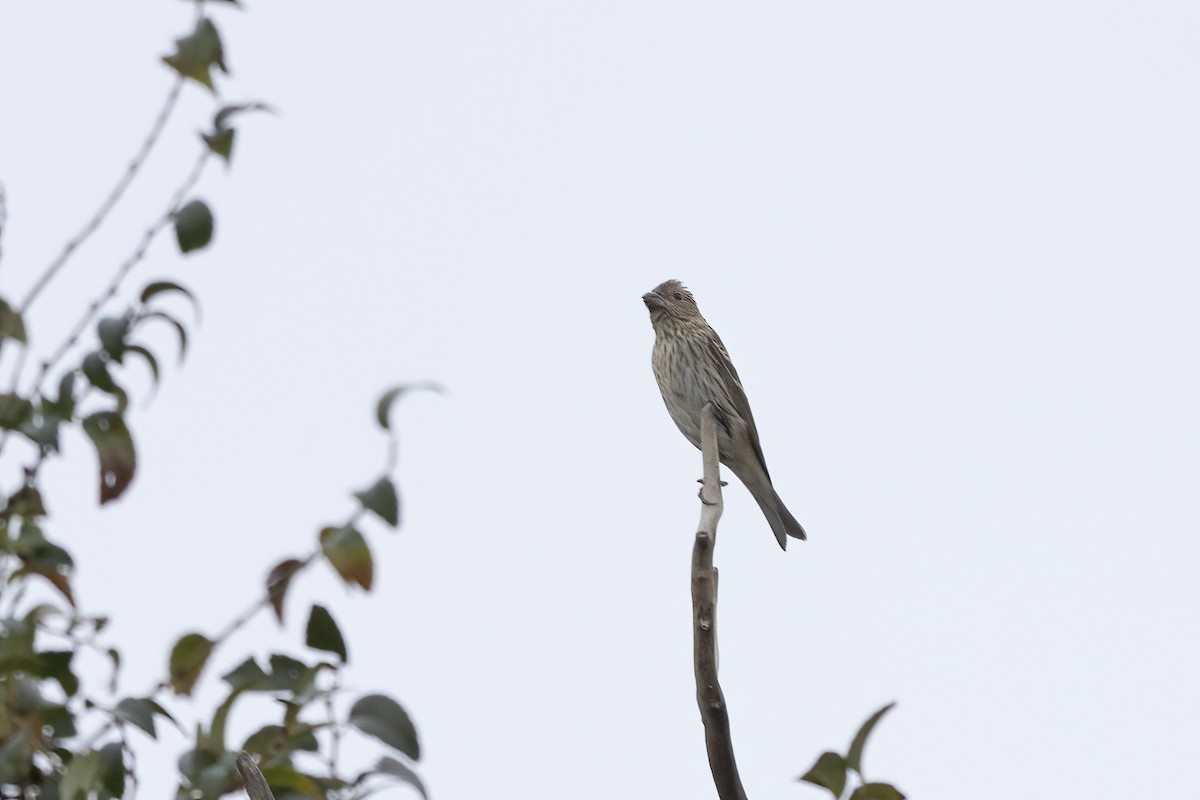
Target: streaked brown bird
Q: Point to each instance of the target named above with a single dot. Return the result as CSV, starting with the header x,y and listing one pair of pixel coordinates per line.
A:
x,y
692,368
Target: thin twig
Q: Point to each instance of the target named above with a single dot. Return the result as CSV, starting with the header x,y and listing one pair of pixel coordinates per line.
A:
x,y
239,621
97,219
110,291
126,266
132,772
19,364
233,627
15,601
709,696
335,742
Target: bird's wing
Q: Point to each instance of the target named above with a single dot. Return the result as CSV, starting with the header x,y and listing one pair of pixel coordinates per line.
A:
x,y
737,395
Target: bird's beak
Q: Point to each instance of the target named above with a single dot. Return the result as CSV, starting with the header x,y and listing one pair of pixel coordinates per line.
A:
x,y
653,301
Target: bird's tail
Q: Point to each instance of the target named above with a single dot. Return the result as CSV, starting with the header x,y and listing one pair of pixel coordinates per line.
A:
x,y
783,524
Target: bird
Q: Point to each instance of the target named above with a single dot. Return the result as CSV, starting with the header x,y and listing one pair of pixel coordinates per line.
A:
x,y
692,368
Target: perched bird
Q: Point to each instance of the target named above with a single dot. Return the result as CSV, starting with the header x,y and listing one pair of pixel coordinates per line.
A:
x,y
692,368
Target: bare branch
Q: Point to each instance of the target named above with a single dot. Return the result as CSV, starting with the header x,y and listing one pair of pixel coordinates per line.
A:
x,y
126,266
252,777
709,696
109,202
109,291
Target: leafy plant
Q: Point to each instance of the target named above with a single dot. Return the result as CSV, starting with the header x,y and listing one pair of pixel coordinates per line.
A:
x,y
47,702
835,772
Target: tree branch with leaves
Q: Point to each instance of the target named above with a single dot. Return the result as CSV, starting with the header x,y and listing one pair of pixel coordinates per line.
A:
x,y
66,732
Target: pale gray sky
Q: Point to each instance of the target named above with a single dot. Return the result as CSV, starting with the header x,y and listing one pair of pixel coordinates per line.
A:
x,y
951,247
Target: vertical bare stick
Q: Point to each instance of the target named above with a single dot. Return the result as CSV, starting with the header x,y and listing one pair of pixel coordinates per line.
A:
x,y
709,696
252,778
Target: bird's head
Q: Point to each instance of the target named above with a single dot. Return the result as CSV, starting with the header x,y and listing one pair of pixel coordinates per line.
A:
x,y
671,302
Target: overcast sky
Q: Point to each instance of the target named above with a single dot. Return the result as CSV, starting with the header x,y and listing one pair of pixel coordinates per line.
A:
x,y
952,249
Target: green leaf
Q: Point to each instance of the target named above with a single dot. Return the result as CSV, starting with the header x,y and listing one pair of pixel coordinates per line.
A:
x,y
221,138
246,675
16,644
286,675
273,741
43,555
57,578
155,288
191,761
382,717
228,112
162,712
390,766
220,142
114,658
855,753
829,772
289,675
267,741
218,779
25,698
112,332
38,554
323,633
95,369
64,406
26,502
38,615
383,408
14,411
81,776
216,730
56,664
188,657
11,324
876,791
112,769
348,553
40,557
381,498
114,446
60,720
151,361
206,769
138,711
15,755
193,226
42,426
182,331
278,581
51,663
196,54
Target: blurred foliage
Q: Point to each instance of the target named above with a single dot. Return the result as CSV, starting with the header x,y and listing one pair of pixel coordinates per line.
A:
x,y
65,731
834,772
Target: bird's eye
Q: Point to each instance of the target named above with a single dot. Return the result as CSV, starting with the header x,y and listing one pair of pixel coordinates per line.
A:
x,y
677,296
